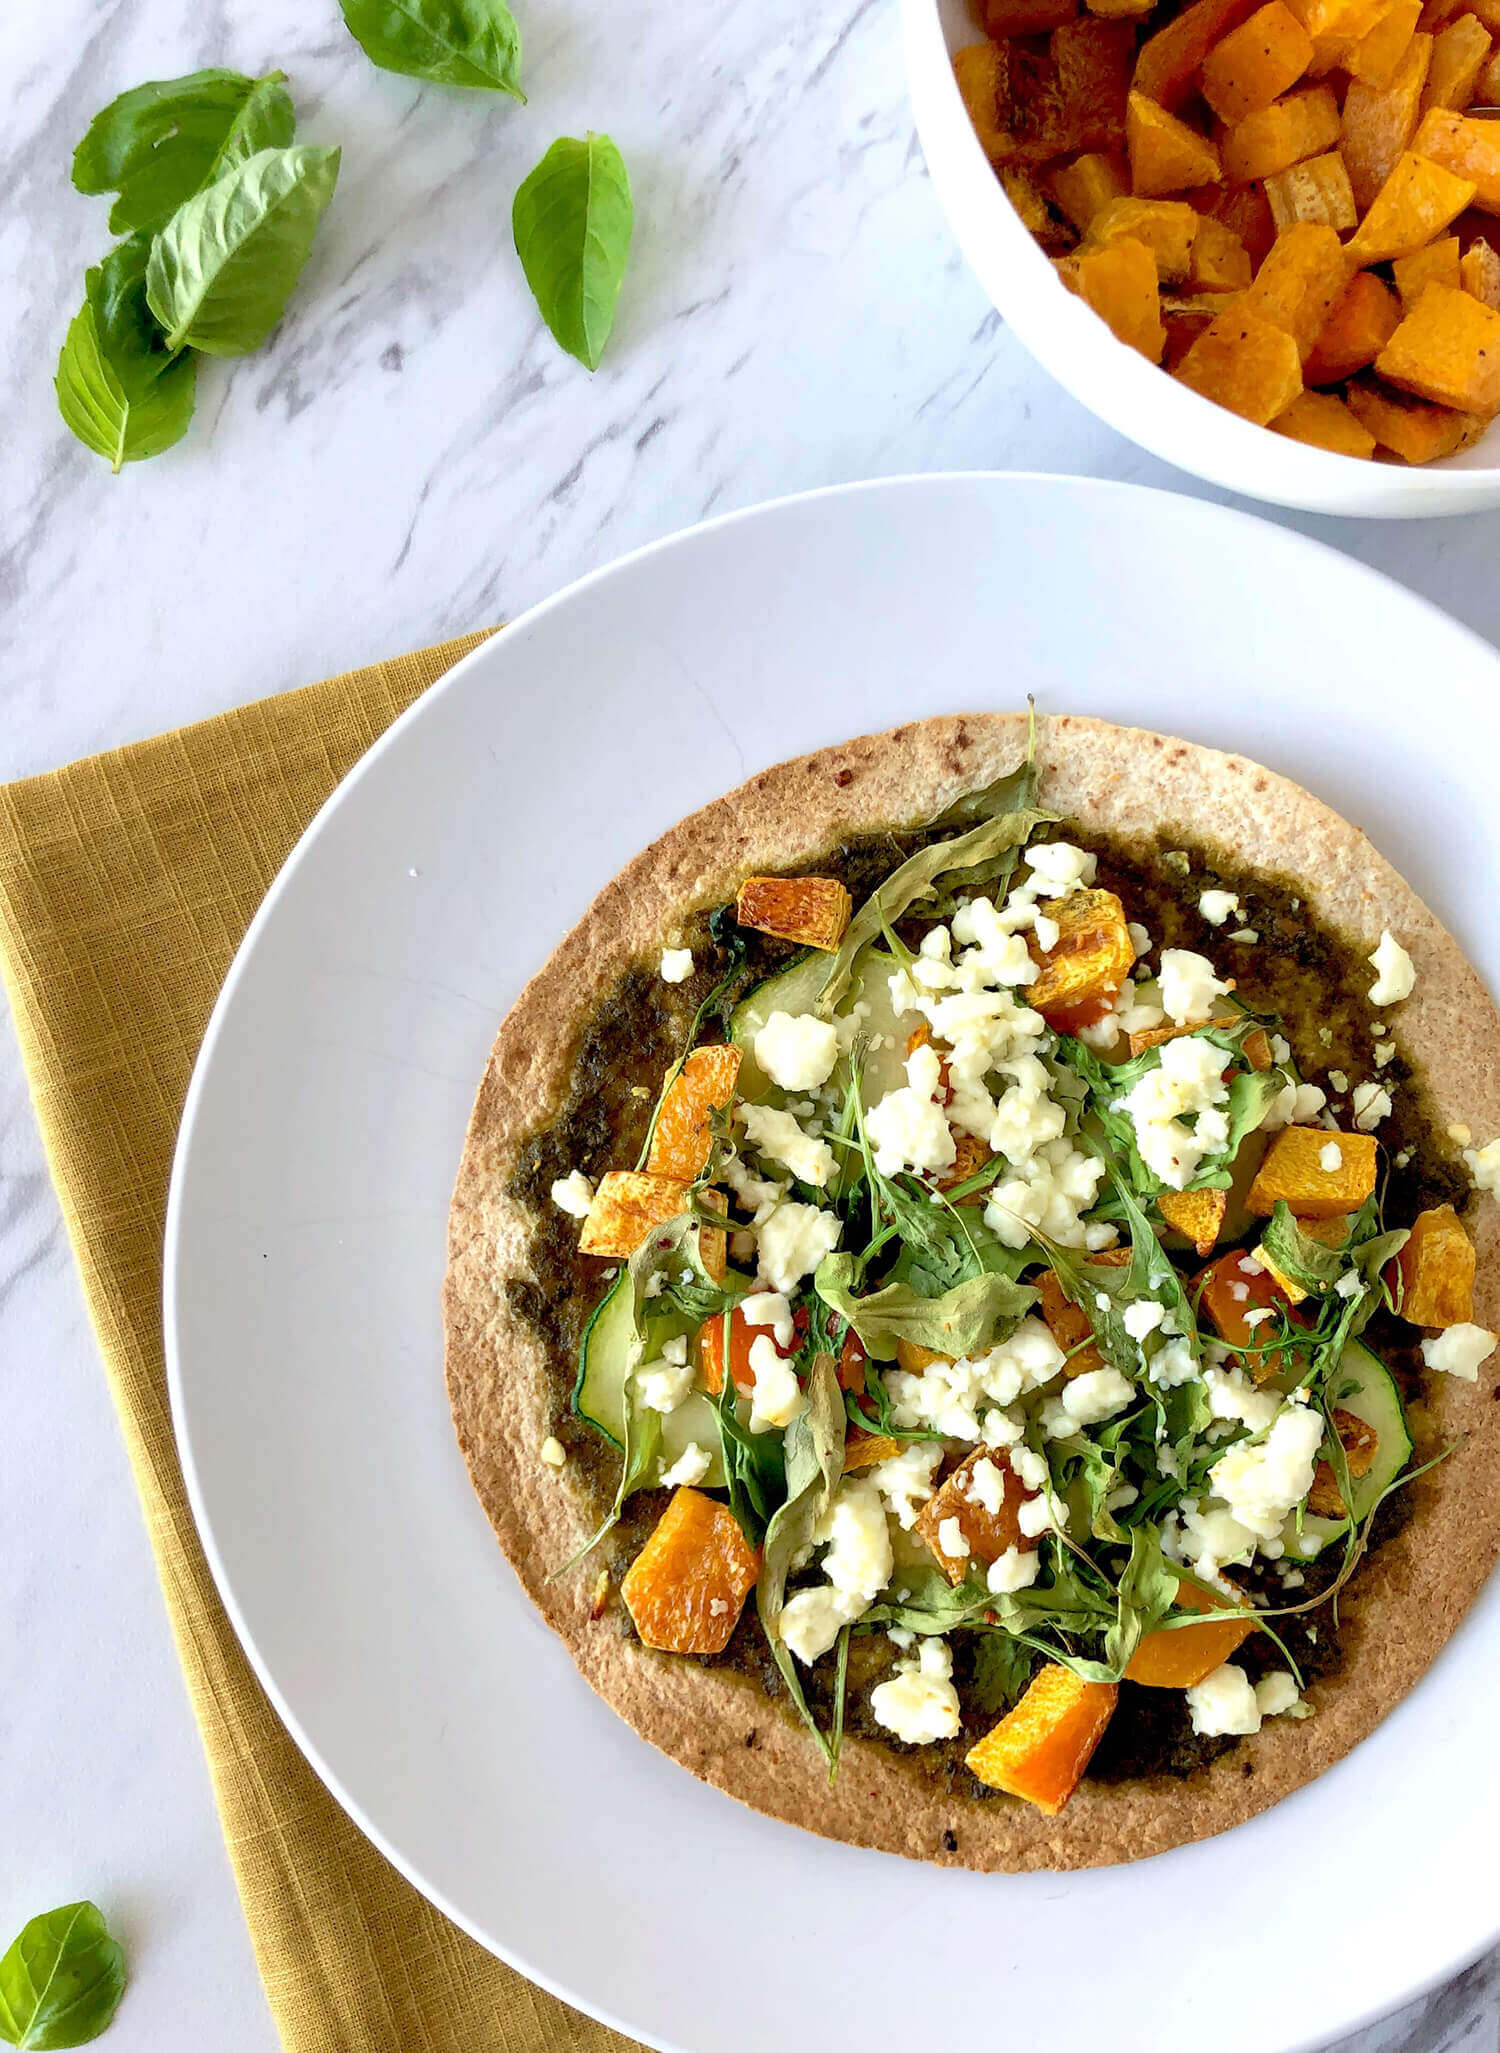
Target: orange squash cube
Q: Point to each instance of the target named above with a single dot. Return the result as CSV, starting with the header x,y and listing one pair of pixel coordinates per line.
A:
x,y
1322,421
1067,1322
1180,1657
1198,1215
1244,363
1479,273
1293,1169
1436,1271
1412,428
1380,121
1362,321
1167,228
1466,148
985,1533
1218,260
1458,55
627,1204
1006,18
1274,138
1092,956
1376,58
1487,85
1094,60
1256,63
1447,350
1037,218
866,1450
1317,191
1040,1749
1232,1287
912,1356
1169,63
685,1589
1166,156
1435,265
1360,1442
1338,22
1257,1047
683,1135
1082,189
811,910
1414,206
1246,210
981,73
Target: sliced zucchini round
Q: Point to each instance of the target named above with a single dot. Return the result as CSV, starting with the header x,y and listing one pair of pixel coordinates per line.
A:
x,y
603,1368
796,990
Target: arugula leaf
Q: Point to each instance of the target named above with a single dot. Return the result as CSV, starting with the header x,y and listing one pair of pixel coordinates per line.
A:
x,y
754,1465
637,1471
61,1981
1296,1254
1250,1094
814,1461
963,1321
1002,1669
572,221
1147,1592
158,144
984,856
222,269
932,1604
119,391
452,42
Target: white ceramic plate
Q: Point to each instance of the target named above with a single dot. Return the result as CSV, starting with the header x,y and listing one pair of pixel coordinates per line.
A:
x,y
305,1248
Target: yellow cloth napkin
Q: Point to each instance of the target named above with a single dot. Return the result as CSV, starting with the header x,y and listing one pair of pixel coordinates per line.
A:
x,y
126,883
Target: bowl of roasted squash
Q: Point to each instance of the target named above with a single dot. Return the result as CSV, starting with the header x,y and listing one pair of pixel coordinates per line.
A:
x,y
1259,237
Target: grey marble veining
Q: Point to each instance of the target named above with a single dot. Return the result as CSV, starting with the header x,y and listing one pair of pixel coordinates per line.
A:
x,y
410,457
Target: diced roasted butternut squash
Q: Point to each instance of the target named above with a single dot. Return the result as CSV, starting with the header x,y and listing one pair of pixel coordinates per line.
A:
x,y
1447,350
1256,63
1466,148
1119,283
1037,218
970,1156
713,1241
1409,427
1218,260
1458,53
685,1588
1317,191
683,1133
1167,227
1092,956
1040,1749
1435,265
1006,18
912,1356
1166,156
1415,204
1246,210
984,1512
1257,1046
1067,1322
1180,1656
1322,421
1299,283
1167,68
1243,362
1363,319
1094,60
1318,1172
1479,273
1186,319
1360,1443
1198,1215
1436,1271
627,1204
1274,138
811,910
1379,122
742,1337
866,1450
980,71
1376,58
1231,1288
1487,85
1337,21
1082,189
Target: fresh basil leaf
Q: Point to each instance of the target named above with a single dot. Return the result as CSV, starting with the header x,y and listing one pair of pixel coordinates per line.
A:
x,y
814,1462
222,269
119,392
61,1981
965,1320
160,143
572,220
1002,1670
452,42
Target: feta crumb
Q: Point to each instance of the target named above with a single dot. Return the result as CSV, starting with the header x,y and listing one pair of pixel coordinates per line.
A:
x,y
1140,940
770,1308
1048,933
1246,936
987,1487
778,1135
717,1606
1057,867
908,1128
1484,1167
1096,1395
905,1482
1372,1103
1276,1694
553,1451
573,1194
676,965
1395,977
920,1704
1349,1285
951,1540
1262,1481
1281,1049
1459,1350
1330,1157
777,1397
1457,1131
797,1051
662,1385
1016,1569
690,1467
858,1566
1217,906
793,1239
1338,1079
1188,986
1142,1317
1188,1080
1224,1703
1385,1051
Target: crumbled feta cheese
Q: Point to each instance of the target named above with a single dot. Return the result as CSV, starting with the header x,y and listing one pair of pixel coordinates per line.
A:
x,y
778,1135
1142,1317
1395,977
1188,986
1057,867
777,1396
1049,1191
717,1606
858,1566
951,1539
1217,906
905,1482
1232,1396
919,1704
1338,1079
1246,936
1281,1048
947,1397
792,1240
1048,933
1096,1395
1172,1365
1385,1051
1296,1105
1457,1131
553,1451
690,1467
1371,1103
758,1194
662,1385
1459,1350
1262,1481
1030,1467
1349,1285
770,1308
908,1128
1016,1569
1188,1082
676,965
1484,1167
1330,1157
573,1194
1275,1694
987,1487
797,1051
1038,1515
1140,940
1224,1703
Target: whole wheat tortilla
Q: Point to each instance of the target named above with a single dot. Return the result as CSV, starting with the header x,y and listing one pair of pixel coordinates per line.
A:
x,y
1407,1598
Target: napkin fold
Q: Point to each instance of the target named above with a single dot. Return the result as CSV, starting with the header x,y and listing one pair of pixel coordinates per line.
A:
x,y
126,883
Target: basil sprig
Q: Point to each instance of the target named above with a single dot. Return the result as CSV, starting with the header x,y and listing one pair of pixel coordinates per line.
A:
x,y
120,390
61,1980
158,144
572,219
473,43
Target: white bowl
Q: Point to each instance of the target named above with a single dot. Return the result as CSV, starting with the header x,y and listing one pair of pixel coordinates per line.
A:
x,y
1116,382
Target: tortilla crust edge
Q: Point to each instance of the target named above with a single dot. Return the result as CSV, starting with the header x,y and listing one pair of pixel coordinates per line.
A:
x,y
1406,1601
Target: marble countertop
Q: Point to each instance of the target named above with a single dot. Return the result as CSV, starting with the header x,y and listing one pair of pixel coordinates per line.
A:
x,y
411,457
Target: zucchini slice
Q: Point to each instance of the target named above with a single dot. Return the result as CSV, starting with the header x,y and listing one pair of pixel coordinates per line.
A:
x,y
1364,1385
603,1367
795,990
